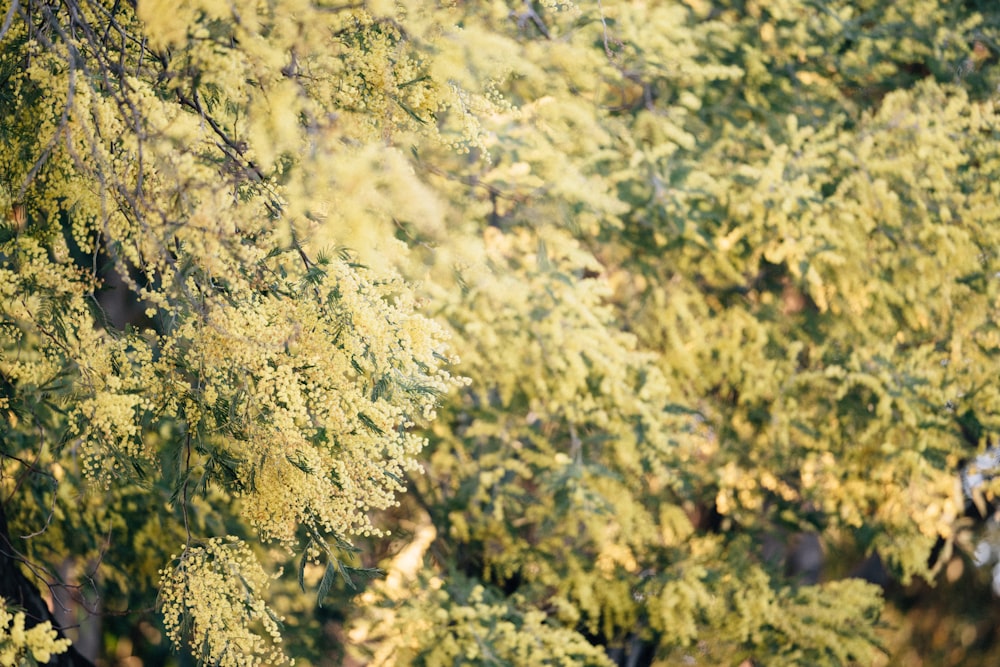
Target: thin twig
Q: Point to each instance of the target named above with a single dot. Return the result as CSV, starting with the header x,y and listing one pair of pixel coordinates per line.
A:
x,y
184,484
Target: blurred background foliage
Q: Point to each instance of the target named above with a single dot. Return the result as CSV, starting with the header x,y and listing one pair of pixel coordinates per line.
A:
x,y
723,278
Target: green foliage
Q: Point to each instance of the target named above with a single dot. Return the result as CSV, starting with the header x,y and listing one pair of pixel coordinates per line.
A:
x,y
712,273
791,206
461,622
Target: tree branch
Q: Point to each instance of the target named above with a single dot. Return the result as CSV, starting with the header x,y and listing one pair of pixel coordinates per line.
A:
x,y
17,590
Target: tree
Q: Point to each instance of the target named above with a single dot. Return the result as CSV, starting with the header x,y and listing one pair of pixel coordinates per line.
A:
x,y
718,274
791,204
267,389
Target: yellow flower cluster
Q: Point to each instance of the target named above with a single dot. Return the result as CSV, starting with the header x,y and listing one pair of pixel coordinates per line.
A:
x,y
212,600
312,401
802,624
20,647
189,166
469,625
686,271
565,419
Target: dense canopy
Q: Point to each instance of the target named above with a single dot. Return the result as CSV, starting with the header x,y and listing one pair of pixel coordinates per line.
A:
x,y
529,333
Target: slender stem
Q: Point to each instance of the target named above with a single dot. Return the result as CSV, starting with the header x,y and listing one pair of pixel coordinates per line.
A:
x,y
184,484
